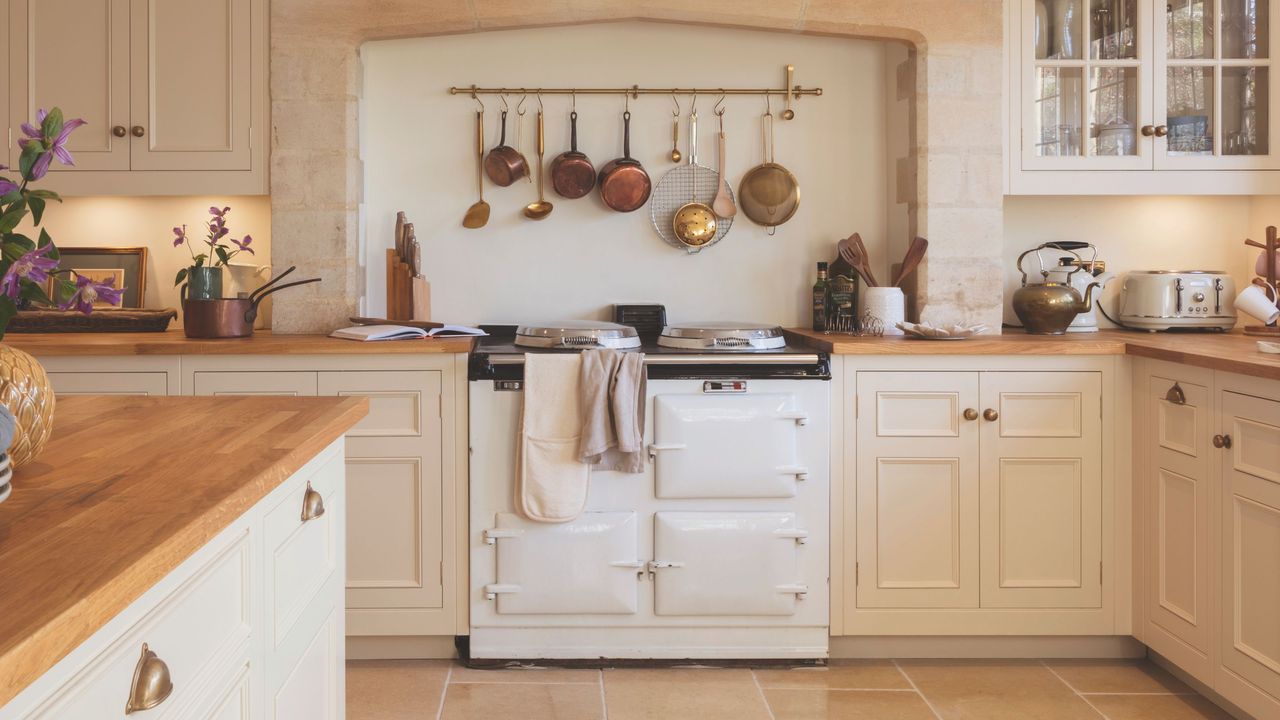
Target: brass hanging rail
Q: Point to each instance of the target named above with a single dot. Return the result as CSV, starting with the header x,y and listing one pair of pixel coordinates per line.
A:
x,y
635,91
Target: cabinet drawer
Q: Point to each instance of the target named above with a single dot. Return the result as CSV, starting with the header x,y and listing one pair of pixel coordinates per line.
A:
x,y
109,383
301,550
398,400
193,632
253,383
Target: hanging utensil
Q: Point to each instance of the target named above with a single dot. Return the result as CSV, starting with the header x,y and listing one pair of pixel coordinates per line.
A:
x,y
769,194
519,146
572,174
540,209
853,252
624,184
723,204
504,164
674,193
675,131
694,223
478,214
911,261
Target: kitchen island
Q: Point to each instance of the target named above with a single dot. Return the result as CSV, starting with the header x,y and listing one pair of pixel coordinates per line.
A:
x,y
144,513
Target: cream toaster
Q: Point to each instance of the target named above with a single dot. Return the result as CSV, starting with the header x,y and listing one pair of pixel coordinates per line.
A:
x,y
1167,299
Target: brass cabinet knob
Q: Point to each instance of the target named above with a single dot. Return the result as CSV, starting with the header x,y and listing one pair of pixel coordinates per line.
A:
x,y
151,683
139,131
312,504
990,415
1162,130
119,131
970,414
1148,130
1222,441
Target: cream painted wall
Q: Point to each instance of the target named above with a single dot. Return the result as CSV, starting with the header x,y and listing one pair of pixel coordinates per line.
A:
x,y
148,222
417,150
1140,233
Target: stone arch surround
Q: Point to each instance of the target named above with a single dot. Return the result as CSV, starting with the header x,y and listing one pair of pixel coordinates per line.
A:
x,y
954,172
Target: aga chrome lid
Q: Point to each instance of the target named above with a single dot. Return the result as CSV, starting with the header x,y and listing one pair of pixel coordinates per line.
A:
x,y
722,336
577,334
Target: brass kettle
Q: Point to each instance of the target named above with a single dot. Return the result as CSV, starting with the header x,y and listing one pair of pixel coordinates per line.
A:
x,y
1047,308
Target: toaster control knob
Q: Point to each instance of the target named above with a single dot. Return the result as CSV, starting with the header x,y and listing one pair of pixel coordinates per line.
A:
x,y
1198,297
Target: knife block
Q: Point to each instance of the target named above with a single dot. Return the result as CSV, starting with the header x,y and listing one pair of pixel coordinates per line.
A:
x,y
400,282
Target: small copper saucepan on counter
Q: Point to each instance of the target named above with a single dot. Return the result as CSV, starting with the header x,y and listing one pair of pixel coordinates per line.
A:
x,y
229,317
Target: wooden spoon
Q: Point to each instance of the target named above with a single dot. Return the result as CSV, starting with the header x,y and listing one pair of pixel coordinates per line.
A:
x,y
478,214
911,261
723,205
853,252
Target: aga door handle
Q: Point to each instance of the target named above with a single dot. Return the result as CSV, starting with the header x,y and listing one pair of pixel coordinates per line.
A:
x,y
1222,442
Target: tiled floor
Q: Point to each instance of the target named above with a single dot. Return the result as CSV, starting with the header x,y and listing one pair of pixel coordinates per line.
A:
x,y
878,690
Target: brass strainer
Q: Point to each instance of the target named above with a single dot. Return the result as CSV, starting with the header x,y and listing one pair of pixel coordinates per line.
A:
x,y
769,194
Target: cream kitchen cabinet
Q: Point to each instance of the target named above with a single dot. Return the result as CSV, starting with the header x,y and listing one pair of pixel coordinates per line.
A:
x,y
982,502
174,92
400,463
1141,97
249,626
112,376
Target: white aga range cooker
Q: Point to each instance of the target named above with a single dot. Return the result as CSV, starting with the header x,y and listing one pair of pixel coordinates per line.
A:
x,y
718,551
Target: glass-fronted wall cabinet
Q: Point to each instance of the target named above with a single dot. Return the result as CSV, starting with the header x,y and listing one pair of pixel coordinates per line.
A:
x,y
1133,96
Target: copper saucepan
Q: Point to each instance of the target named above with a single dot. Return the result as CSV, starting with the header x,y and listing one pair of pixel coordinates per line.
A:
x,y
624,184
229,317
572,174
504,164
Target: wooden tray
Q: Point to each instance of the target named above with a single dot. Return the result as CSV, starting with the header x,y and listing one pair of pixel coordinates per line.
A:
x,y
73,321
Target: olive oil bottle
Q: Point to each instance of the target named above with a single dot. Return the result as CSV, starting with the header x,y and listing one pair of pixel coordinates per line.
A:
x,y
821,300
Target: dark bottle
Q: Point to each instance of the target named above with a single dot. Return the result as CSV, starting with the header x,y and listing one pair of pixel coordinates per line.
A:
x,y
821,299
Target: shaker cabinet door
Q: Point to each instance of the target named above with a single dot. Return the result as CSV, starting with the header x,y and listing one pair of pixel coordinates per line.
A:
x,y
73,54
191,84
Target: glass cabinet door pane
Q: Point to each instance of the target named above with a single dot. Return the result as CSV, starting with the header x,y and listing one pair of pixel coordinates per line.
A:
x,y
1245,101
1190,119
1113,107
1245,29
1189,33
1058,111
1113,30
1059,29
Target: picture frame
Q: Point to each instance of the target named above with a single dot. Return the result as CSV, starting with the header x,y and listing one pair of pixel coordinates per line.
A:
x,y
128,265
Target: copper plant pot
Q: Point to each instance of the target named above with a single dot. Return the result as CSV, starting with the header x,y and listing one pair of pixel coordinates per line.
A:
x,y
229,317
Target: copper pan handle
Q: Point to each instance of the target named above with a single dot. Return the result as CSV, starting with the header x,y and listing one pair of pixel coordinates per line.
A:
x,y
270,282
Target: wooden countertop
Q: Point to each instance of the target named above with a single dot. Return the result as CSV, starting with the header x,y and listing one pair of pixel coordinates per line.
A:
x,y
1232,352
173,342
121,496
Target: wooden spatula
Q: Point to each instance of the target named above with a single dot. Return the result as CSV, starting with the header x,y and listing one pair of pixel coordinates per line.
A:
x,y
854,252
911,261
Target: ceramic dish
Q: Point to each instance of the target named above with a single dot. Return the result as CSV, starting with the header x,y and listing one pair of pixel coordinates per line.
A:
x,y
1269,347
921,331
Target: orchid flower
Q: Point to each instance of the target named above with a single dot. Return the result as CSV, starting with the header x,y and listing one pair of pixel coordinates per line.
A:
x,y
88,293
34,266
179,235
244,244
53,147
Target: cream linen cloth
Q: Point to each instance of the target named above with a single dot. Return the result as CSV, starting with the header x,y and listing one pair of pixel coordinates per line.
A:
x,y
551,482
613,389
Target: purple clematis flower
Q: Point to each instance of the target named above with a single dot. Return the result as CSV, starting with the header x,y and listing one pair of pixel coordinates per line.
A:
x,y
54,147
244,244
179,235
6,185
89,292
34,266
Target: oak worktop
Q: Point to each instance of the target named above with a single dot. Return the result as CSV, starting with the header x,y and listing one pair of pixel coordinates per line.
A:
x,y
1231,352
173,342
125,491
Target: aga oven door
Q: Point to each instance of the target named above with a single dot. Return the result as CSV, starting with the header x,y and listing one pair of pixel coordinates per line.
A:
x,y
589,566
726,445
727,563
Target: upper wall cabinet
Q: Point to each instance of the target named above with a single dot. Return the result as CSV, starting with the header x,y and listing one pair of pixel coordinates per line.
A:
x,y
174,92
1142,97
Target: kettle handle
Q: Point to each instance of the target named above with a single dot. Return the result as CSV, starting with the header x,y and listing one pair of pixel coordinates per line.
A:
x,y
1047,246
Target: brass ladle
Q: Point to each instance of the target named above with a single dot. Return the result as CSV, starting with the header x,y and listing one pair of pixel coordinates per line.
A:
x,y
478,214
540,209
675,131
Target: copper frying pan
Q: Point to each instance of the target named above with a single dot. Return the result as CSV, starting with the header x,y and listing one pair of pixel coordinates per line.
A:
x,y
229,317
624,184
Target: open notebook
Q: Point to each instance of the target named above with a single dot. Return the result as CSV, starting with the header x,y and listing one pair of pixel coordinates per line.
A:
x,y
370,333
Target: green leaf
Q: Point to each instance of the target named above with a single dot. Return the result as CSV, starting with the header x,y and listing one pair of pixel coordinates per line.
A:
x,y
52,124
35,293
37,208
62,289
45,194
222,254
16,245
30,154
200,259
7,310
182,275
11,217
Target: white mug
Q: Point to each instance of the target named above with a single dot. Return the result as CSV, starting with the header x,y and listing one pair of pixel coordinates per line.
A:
x,y
1255,301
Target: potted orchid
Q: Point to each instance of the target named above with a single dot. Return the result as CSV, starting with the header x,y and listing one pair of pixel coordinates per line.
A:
x,y
29,275
204,277
29,271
